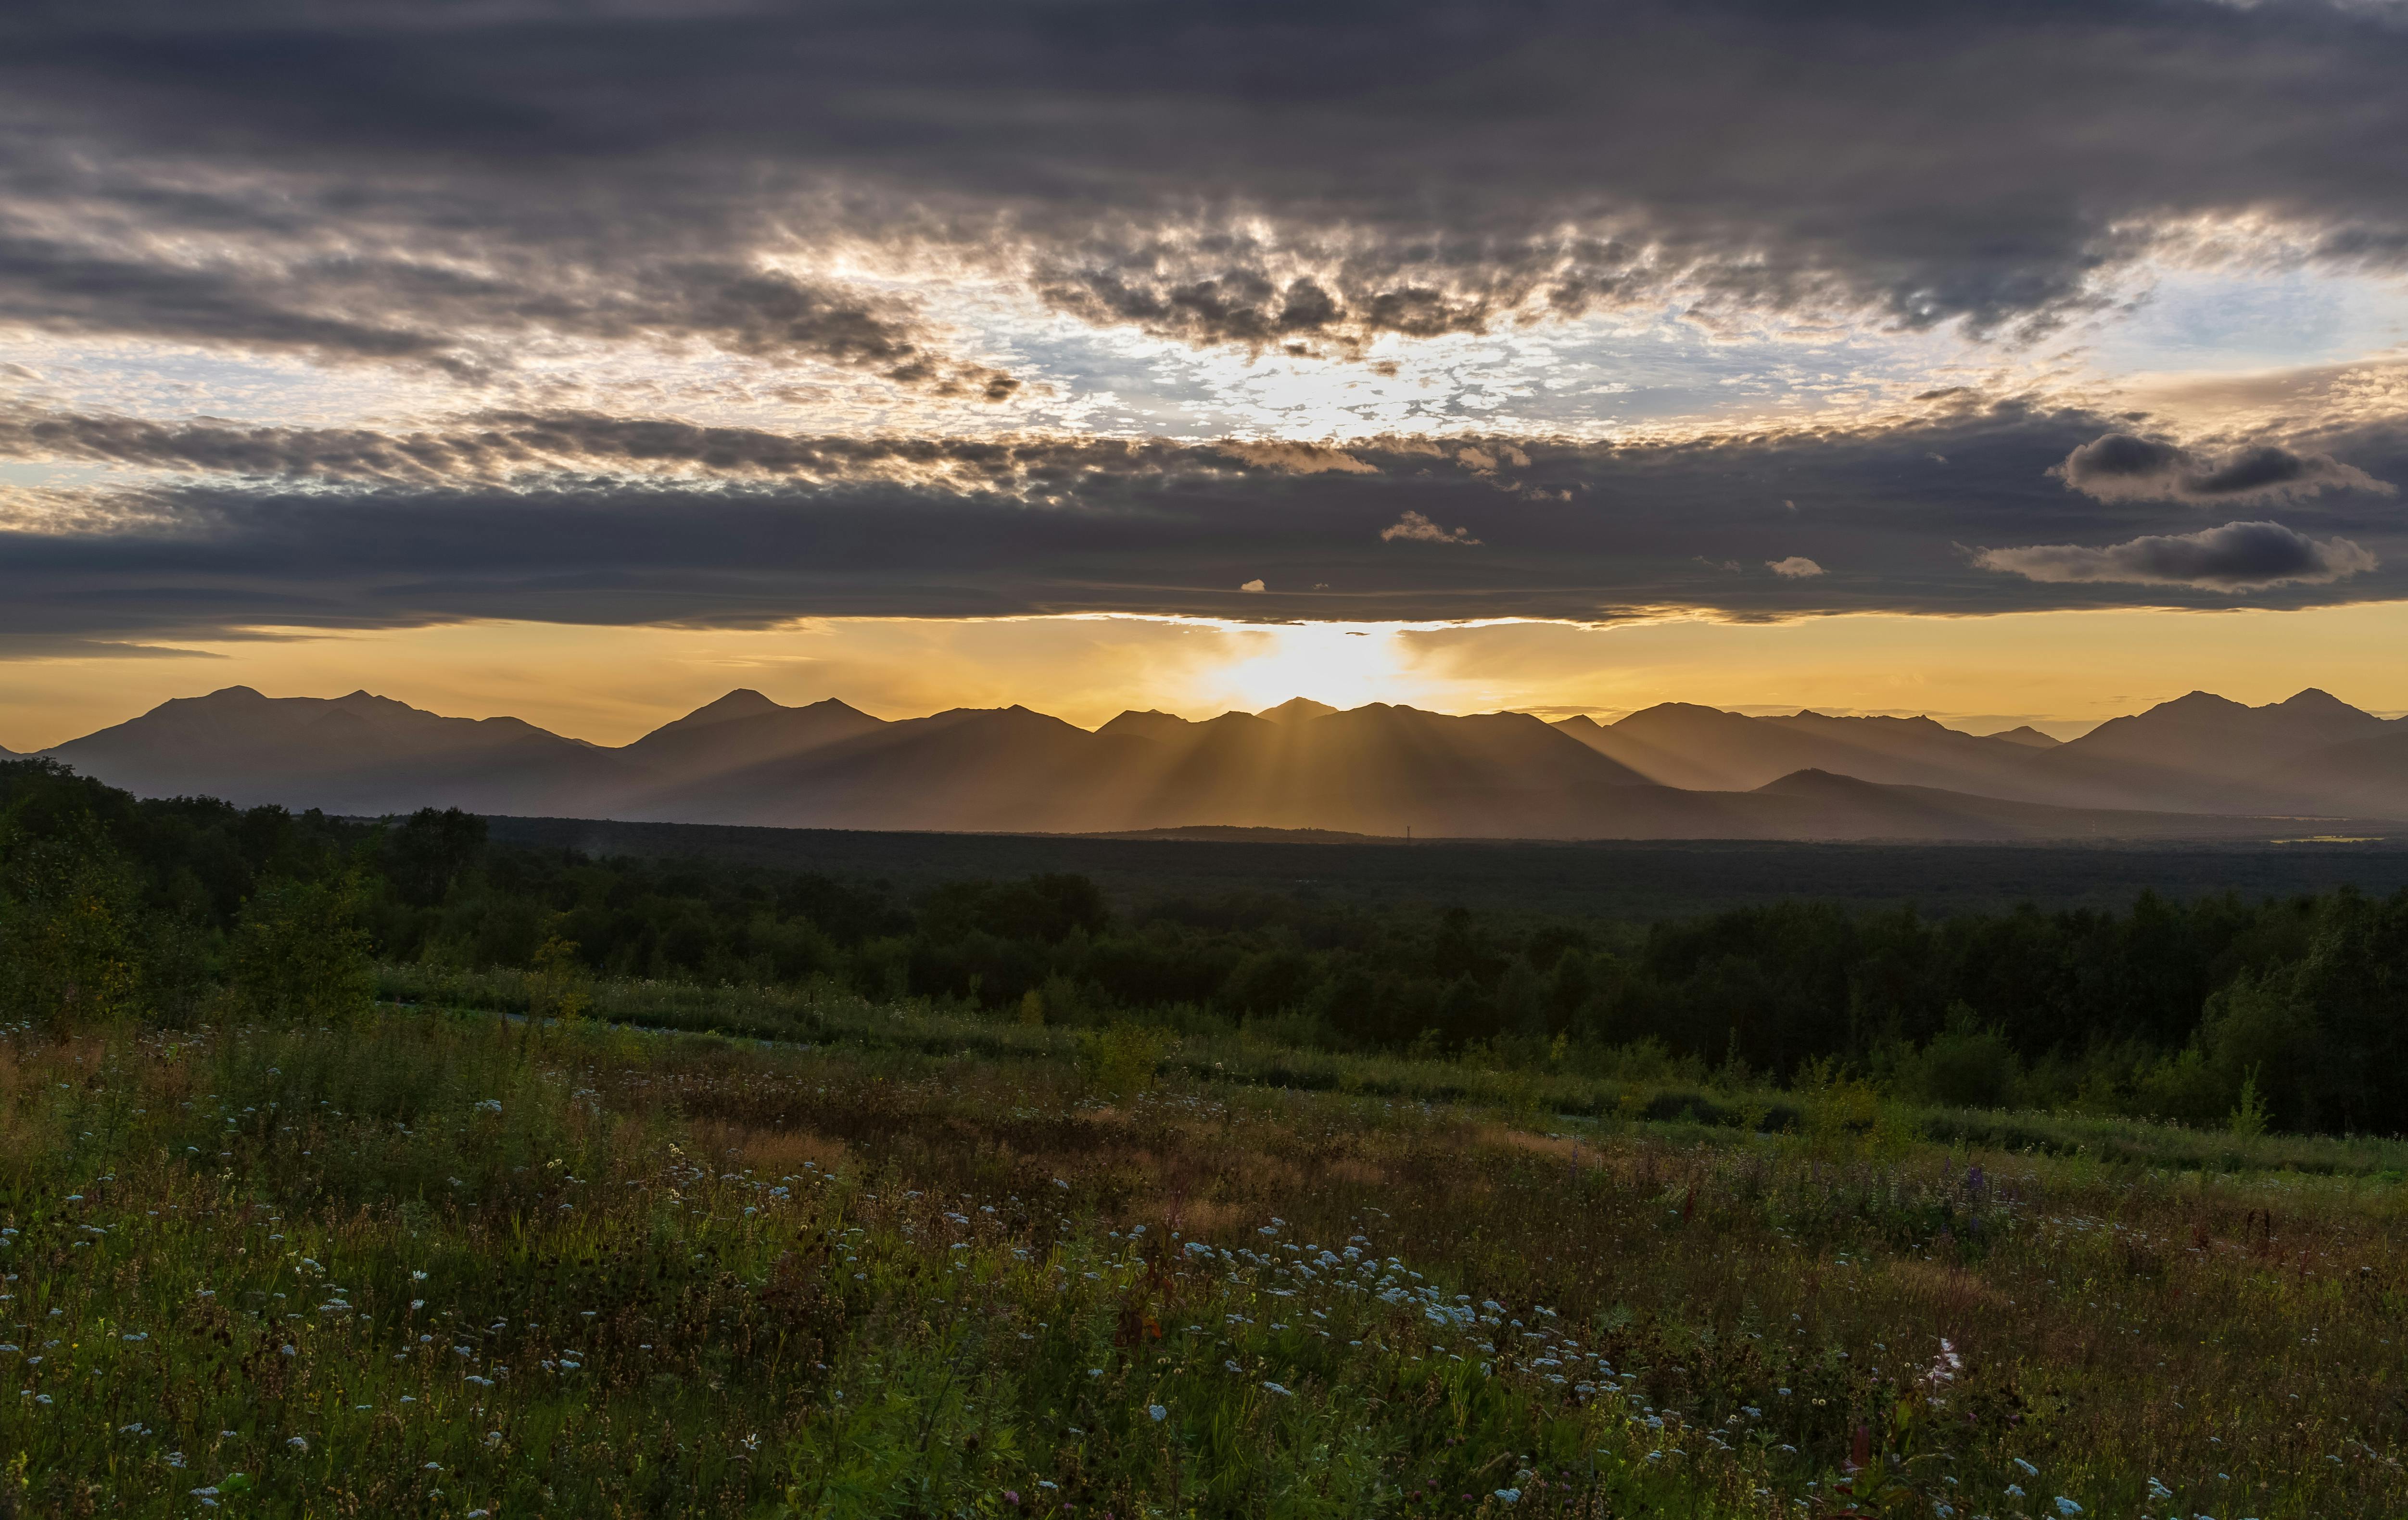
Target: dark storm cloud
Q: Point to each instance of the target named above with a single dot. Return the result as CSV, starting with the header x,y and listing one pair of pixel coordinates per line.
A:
x,y
60,286
2121,467
496,448
1304,174
2237,556
351,307
578,518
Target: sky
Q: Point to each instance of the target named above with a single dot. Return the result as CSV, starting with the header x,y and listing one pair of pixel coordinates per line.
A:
x,y
2012,361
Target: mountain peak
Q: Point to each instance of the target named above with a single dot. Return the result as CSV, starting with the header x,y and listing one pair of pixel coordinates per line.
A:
x,y
2029,737
2200,703
1152,724
2316,700
364,701
1297,709
743,702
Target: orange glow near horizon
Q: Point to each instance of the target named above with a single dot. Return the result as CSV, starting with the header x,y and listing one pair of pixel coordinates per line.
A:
x,y
611,684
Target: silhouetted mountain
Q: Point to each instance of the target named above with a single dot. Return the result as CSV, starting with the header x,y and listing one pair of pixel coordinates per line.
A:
x,y
1296,709
2203,752
2363,775
1700,748
1376,770
2209,736
2199,754
2030,736
741,730
998,769
1147,724
1844,807
355,754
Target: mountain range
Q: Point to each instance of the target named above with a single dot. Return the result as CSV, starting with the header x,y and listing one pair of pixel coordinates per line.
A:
x,y
2197,766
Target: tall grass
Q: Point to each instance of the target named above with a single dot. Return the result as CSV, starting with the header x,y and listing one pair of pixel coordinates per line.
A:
x,y
445,1263
1642,1086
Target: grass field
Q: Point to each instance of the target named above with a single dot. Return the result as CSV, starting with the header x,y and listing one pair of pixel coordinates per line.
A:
x,y
447,1262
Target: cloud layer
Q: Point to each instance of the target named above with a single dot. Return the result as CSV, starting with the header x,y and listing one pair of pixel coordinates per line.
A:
x,y
493,226
200,527
2122,467
416,183
2237,556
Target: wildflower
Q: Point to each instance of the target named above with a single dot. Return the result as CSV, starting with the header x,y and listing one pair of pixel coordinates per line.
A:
x,y
299,1443
287,1350
1232,1366
1157,1413
2067,1506
2029,1470
1511,1496
1274,1387
2015,1490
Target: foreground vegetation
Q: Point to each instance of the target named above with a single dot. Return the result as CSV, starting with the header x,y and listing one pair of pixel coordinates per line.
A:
x,y
448,1263
480,1232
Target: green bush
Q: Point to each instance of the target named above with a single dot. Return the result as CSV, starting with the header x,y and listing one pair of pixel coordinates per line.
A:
x,y
1121,1061
1967,1066
300,955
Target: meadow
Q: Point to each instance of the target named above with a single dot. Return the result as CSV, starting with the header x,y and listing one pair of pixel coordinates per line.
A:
x,y
436,1260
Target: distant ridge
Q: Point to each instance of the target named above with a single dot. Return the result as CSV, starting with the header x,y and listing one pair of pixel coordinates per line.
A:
x,y
2028,735
2198,766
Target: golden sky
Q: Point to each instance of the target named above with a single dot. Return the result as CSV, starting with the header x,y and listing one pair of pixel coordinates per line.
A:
x,y
2063,670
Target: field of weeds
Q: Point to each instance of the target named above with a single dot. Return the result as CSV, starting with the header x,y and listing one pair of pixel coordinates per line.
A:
x,y
453,1264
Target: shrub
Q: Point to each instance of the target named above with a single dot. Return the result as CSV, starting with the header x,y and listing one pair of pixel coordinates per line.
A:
x,y
300,954
1966,1066
1121,1060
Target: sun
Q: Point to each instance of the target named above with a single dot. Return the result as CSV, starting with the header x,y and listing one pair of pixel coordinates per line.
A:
x,y
1344,665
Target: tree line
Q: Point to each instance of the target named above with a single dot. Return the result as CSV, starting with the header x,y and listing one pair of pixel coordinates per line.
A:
x,y
2289,1011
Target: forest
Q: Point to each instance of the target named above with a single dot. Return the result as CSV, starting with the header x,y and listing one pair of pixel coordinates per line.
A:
x,y
2287,1013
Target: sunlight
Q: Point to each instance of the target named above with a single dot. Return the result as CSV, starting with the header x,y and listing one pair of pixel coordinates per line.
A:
x,y
1344,665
